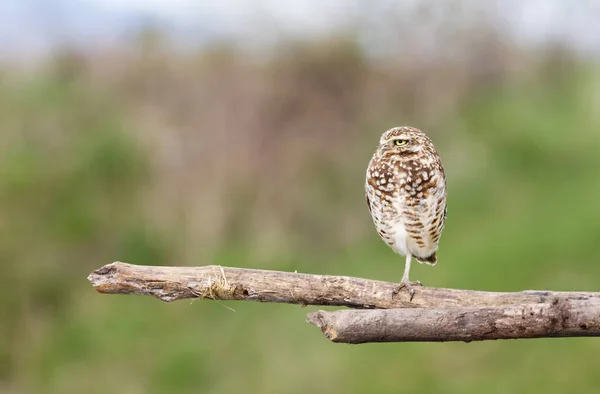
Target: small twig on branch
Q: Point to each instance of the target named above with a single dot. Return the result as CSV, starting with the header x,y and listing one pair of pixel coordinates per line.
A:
x,y
434,314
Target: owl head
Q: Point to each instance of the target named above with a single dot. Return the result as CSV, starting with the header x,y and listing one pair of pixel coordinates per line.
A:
x,y
404,141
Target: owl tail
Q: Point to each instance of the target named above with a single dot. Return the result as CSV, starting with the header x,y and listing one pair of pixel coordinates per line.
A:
x,y
431,260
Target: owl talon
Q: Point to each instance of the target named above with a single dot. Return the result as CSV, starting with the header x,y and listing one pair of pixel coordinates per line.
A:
x,y
409,286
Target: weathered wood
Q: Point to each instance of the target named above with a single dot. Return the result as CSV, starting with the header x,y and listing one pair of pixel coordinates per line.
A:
x,y
433,315
561,317
225,283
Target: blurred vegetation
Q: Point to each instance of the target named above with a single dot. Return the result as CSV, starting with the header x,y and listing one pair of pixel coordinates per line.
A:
x,y
219,157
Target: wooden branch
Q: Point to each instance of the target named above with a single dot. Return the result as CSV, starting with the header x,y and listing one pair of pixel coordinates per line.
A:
x,y
434,314
224,283
560,318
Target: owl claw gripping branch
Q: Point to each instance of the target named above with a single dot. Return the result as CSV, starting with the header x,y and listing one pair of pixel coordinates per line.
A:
x,y
406,194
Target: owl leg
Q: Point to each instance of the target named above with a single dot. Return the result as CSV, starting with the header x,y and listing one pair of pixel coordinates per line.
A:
x,y
405,282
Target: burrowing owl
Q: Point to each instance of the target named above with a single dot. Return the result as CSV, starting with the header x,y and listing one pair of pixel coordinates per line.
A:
x,y
406,195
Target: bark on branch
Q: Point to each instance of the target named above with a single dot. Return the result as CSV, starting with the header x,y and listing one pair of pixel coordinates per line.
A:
x,y
560,318
435,314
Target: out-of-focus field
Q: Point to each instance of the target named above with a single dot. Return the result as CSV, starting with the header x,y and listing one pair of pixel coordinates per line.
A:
x,y
218,157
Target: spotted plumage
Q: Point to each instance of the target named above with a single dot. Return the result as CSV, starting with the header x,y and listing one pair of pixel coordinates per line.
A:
x,y
406,194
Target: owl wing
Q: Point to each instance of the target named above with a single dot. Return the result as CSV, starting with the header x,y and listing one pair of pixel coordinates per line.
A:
x,y
425,226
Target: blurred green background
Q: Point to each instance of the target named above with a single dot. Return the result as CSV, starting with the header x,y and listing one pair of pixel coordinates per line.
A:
x,y
230,155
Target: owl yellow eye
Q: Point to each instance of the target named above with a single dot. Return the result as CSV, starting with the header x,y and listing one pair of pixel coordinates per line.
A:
x,y
400,142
